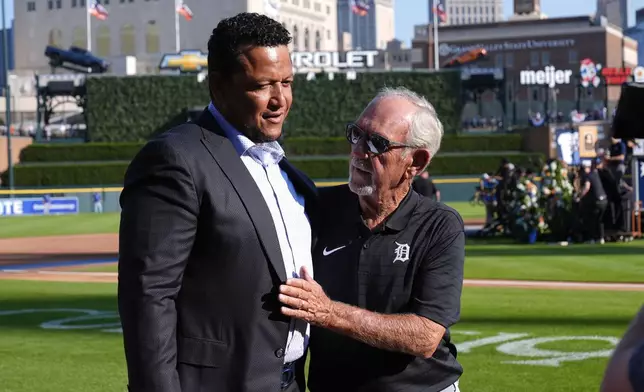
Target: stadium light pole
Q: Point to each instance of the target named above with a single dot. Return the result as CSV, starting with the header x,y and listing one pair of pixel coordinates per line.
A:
x,y
7,93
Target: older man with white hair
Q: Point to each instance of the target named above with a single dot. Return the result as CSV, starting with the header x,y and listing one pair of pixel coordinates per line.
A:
x,y
388,262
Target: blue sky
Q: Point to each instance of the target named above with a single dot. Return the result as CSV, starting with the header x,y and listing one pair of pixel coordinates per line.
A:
x,y
413,12
9,10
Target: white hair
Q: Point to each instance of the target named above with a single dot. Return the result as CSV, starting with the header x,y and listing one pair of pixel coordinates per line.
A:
x,y
425,130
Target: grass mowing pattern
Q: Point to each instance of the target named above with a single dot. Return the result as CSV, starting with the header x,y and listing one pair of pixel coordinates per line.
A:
x,y
619,263
80,360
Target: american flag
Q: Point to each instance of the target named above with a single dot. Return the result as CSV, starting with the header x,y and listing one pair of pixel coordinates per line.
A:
x,y
361,7
440,12
98,11
184,11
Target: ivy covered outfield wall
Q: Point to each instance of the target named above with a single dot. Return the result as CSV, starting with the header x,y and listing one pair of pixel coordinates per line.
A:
x,y
134,108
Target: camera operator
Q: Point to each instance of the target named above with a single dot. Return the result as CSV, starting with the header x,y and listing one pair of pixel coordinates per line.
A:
x,y
593,203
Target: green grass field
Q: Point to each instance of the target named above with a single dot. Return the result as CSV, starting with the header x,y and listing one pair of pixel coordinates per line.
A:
x,y
40,225
66,351
618,262
36,226
72,345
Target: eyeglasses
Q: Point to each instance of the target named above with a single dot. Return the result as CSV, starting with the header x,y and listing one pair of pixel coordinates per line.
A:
x,y
377,144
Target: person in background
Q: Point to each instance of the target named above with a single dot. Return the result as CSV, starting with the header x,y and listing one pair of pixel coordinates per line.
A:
x,y
98,203
628,157
424,186
488,193
593,203
46,204
616,158
506,182
625,369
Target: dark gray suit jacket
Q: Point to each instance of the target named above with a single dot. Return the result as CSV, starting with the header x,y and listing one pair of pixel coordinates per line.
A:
x,y
199,267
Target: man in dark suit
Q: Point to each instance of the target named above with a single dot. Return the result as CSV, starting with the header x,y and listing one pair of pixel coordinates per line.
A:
x,y
213,219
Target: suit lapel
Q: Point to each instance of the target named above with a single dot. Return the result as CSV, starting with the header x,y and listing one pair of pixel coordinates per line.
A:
x,y
223,152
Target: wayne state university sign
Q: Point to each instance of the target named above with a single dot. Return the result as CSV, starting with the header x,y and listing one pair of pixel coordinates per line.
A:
x,y
448,49
549,76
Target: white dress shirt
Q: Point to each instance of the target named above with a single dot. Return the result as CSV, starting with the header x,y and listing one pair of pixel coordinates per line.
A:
x,y
287,209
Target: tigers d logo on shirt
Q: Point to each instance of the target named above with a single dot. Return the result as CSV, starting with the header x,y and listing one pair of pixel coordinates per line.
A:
x,y
401,252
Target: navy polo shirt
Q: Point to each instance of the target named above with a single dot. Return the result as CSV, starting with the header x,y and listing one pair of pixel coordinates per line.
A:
x,y
617,149
412,263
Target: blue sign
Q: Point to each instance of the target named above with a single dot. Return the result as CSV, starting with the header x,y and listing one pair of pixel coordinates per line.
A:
x,y
39,206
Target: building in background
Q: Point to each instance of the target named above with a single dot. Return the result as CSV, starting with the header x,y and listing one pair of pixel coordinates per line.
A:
x,y
615,11
527,9
547,64
465,12
146,29
368,24
636,32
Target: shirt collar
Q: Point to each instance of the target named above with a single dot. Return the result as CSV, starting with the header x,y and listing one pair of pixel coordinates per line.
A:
x,y
243,144
399,219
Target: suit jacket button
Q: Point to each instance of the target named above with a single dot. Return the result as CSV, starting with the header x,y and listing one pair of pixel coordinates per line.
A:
x,y
279,353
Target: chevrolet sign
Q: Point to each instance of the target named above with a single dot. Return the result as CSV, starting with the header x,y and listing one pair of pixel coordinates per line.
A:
x,y
185,61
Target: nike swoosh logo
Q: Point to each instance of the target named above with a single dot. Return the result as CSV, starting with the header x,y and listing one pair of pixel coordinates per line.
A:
x,y
328,252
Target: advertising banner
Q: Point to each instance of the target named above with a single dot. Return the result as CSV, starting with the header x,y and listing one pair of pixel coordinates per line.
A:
x,y
38,206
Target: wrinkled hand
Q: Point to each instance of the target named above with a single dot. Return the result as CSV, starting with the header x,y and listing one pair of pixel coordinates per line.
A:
x,y
306,300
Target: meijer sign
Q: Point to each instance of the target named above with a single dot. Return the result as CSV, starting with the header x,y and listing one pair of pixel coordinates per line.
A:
x,y
548,76
353,59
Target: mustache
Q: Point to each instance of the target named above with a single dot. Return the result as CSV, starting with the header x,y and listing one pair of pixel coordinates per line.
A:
x,y
362,164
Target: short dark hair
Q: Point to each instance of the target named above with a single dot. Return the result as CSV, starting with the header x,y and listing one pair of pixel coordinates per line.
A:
x,y
235,34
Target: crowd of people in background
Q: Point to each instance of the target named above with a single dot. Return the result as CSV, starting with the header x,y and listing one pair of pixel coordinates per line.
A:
x,y
589,203
537,119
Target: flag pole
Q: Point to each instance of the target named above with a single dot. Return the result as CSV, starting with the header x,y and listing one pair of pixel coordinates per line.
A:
x,y
349,6
177,31
7,95
435,22
89,26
